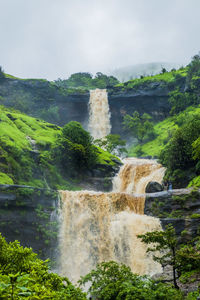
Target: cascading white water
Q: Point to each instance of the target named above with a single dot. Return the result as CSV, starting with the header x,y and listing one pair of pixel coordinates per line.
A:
x,y
99,114
135,174
99,226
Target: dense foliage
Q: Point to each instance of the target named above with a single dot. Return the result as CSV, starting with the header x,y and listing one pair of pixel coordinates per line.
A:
x,y
24,276
27,151
177,156
184,259
113,144
172,79
86,81
181,99
140,126
111,281
75,149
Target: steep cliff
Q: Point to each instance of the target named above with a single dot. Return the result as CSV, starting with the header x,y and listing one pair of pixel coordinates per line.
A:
x,y
181,208
30,215
53,103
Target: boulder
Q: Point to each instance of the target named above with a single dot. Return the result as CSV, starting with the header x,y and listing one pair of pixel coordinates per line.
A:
x,y
153,187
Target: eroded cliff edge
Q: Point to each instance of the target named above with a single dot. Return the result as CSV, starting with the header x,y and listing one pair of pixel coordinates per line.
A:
x,y
44,99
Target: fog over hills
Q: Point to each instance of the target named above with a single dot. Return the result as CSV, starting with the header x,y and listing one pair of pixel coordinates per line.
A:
x,y
135,71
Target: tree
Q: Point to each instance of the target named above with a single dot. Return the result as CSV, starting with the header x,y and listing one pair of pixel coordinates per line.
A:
x,y
113,144
24,276
168,251
2,75
74,148
164,245
163,70
179,155
86,81
193,68
113,281
76,134
102,81
180,101
140,126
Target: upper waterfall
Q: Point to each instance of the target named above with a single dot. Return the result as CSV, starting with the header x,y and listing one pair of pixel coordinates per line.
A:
x,y
99,114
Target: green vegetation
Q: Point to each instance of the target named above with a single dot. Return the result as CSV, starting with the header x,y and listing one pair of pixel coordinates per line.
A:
x,y
86,81
177,156
180,100
184,259
113,144
40,154
177,145
75,150
140,126
176,139
2,75
166,78
24,140
24,276
163,132
111,281
5,179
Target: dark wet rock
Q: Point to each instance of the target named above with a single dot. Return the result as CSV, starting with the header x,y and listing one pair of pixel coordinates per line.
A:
x,y
28,214
153,187
177,207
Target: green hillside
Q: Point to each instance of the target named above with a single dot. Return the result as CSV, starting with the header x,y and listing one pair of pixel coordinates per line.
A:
x,y
26,152
166,78
175,140
163,131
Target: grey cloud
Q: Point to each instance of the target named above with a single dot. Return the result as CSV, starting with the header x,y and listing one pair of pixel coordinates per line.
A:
x,y
51,39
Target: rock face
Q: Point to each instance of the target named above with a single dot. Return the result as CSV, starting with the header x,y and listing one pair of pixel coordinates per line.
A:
x,y
30,216
152,99
45,100
181,208
153,187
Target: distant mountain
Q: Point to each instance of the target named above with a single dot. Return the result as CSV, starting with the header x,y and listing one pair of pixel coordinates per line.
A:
x,y
135,71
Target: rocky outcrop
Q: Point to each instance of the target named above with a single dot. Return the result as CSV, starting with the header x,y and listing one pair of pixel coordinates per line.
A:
x,y
151,98
153,187
101,177
181,208
30,215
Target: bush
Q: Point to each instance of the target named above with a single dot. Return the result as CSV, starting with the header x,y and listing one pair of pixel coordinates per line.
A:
x,y
75,149
112,281
23,275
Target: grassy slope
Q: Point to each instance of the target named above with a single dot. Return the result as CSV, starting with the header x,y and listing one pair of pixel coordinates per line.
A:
x,y
163,132
21,134
15,127
16,132
167,77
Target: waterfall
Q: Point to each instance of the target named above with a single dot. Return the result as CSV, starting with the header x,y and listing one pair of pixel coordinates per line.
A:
x,y
135,174
97,226
99,114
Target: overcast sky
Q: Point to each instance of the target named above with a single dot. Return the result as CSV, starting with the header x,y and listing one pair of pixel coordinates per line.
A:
x,y
55,38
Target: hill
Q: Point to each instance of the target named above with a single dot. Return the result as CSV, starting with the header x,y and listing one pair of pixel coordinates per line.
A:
x,y
26,158
135,71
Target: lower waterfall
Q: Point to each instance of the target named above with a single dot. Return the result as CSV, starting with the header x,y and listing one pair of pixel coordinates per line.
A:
x,y
97,226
